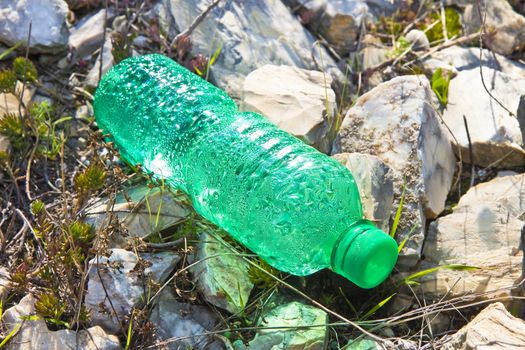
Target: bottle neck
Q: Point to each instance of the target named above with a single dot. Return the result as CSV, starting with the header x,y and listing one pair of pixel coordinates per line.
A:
x,y
364,254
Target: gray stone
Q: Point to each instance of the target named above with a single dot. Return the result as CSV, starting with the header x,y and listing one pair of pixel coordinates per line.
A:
x,y
418,39
10,103
87,35
222,277
294,99
252,33
125,282
373,52
338,21
494,328
34,334
290,316
495,135
484,230
374,180
396,122
457,58
49,32
509,35
371,344
173,319
141,211
107,63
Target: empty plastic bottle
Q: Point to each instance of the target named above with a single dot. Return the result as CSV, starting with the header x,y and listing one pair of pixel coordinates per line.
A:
x,y
295,207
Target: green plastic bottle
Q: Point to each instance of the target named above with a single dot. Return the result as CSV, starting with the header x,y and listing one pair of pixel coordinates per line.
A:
x,y
293,206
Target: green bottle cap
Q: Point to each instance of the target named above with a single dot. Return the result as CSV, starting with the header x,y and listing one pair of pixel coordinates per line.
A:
x,y
365,255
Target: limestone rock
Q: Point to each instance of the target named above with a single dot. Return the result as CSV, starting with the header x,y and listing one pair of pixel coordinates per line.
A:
x,y
484,230
337,21
141,211
221,276
173,319
49,31
509,36
291,315
374,180
396,122
371,344
494,328
34,333
125,283
457,58
252,33
418,39
9,103
495,135
107,63
87,35
294,99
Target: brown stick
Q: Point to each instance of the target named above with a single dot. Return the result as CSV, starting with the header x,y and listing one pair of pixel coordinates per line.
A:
x,y
195,22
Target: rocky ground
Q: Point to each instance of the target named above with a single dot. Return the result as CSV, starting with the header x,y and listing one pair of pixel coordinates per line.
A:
x,y
424,101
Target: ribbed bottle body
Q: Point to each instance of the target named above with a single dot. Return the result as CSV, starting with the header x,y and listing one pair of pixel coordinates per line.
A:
x,y
282,199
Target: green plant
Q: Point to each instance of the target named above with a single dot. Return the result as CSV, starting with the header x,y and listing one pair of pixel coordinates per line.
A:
x,y
51,308
452,25
397,217
81,232
25,69
90,180
440,82
7,81
259,274
400,46
412,279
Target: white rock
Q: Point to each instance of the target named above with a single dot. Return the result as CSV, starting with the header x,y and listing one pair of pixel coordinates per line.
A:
x,y
221,276
494,328
10,103
34,333
49,31
291,315
140,210
371,344
509,36
484,230
337,21
373,52
294,99
396,122
418,39
107,63
457,58
87,35
173,319
374,180
124,283
495,135
252,33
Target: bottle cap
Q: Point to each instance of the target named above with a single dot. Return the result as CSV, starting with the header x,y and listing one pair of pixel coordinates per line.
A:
x,y
365,255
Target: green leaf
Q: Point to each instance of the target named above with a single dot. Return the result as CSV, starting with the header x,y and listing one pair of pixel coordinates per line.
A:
x,y
402,245
215,55
25,69
198,71
417,275
9,50
398,212
376,307
440,81
11,334
452,23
